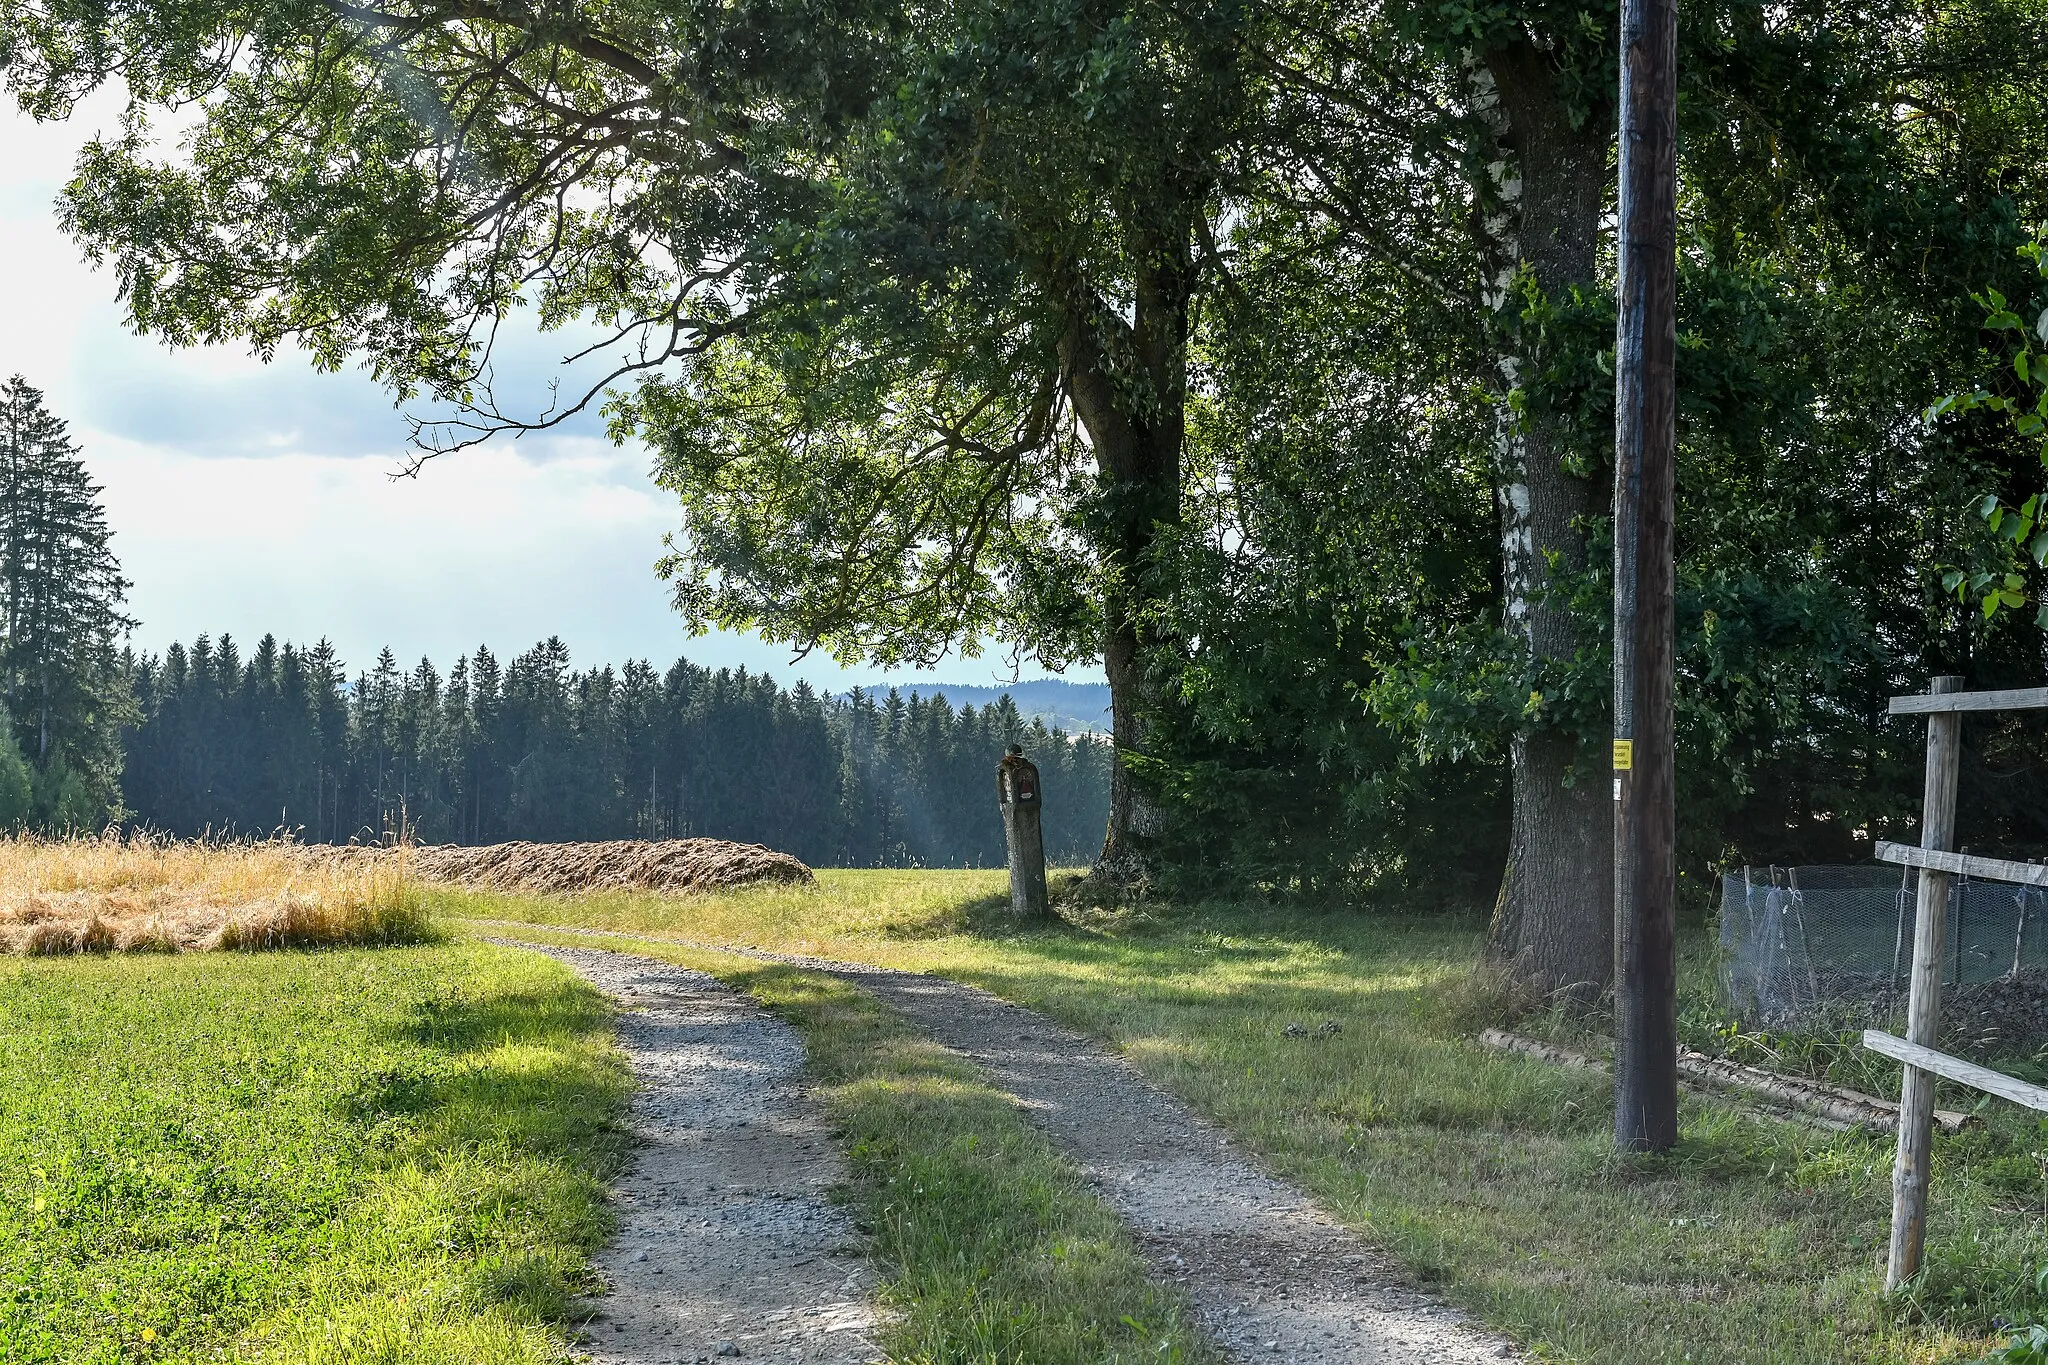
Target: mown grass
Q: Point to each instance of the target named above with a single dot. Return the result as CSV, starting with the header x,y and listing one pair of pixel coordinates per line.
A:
x,y
340,1157
994,1250
1490,1175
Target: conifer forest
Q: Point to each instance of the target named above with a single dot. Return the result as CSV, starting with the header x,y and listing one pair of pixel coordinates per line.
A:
x,y
202,741
283,740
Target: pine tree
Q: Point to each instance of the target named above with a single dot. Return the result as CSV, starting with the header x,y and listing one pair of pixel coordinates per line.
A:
x,y
61,592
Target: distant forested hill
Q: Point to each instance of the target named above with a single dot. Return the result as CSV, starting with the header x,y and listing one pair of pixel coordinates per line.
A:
x,y
1078,708
534,749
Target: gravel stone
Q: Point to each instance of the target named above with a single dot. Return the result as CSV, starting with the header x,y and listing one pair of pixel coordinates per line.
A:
x,y
726,1199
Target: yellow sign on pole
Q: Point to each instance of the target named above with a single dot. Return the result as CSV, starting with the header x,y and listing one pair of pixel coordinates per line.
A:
x,y
1624,755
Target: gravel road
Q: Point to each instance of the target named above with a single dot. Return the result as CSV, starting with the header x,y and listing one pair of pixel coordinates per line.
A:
x,y
1274,1279
726,1244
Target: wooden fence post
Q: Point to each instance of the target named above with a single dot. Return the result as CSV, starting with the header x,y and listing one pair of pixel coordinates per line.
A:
x,y
1923,1007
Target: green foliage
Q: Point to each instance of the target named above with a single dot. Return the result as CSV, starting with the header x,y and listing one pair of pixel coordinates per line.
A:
x,y
872,506
62,802
1565,375
1349,687
17,801
1350,646
1333,493
1187,330
2018,535
2029,1346
349,1156
861,269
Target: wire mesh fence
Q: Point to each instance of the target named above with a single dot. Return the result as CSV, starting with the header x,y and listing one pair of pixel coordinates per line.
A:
x,y
1830,947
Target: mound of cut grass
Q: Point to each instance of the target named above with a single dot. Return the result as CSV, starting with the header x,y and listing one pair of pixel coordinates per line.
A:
x,y
148,893
668,866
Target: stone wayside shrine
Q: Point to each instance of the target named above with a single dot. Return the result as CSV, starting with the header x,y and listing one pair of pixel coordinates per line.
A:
x,y
1020,797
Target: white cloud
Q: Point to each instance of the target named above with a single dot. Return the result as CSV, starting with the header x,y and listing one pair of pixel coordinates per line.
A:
x,y
484,547
253,498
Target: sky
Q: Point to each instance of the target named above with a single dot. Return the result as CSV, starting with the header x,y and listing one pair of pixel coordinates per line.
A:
x,y
248,498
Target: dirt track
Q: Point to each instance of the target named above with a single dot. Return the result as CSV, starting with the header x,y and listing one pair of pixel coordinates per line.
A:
x,y
1273,1277
725,1238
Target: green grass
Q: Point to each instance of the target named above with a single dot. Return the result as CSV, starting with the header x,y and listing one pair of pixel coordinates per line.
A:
x,y
351,1156
994,1251
1490,1175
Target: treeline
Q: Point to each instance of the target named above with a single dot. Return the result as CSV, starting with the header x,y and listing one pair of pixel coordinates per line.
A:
x,y
535,749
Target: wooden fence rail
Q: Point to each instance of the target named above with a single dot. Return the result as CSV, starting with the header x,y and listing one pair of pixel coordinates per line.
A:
x,y
1956,1069
1934,703
1963,864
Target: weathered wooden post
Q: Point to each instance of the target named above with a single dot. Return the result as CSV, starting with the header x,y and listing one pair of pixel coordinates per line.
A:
x,y
1923,1003
1017,792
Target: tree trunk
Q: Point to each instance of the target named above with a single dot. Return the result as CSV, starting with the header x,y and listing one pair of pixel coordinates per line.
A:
x,y
1136,430
1552,925
1135,819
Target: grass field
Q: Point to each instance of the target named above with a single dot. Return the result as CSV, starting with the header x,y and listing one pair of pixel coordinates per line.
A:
x,y
399,1154
1488,1175
391,1155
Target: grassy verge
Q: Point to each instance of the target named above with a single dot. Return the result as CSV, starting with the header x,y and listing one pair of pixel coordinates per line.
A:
x,y
1491,1175
995,1251
347,1156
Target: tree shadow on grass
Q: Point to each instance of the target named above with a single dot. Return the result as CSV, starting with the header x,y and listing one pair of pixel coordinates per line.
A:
x,y
503,1118
510,1065
458,1022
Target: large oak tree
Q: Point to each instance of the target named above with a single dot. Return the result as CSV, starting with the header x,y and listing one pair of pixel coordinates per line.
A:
x,y
905,289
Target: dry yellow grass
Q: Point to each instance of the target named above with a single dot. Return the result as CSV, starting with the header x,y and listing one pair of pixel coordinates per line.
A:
x,y
147,893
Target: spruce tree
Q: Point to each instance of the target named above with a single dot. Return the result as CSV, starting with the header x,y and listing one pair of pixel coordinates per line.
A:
x,y
61,592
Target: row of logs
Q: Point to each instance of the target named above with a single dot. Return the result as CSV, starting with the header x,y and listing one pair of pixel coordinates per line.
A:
x,y
1828,1106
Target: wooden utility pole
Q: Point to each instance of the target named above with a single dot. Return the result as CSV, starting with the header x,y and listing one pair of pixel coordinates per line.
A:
x,y
1646,346
1923,1007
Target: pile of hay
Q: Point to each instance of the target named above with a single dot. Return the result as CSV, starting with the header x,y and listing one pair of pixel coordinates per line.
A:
x,y
146,893
667,865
